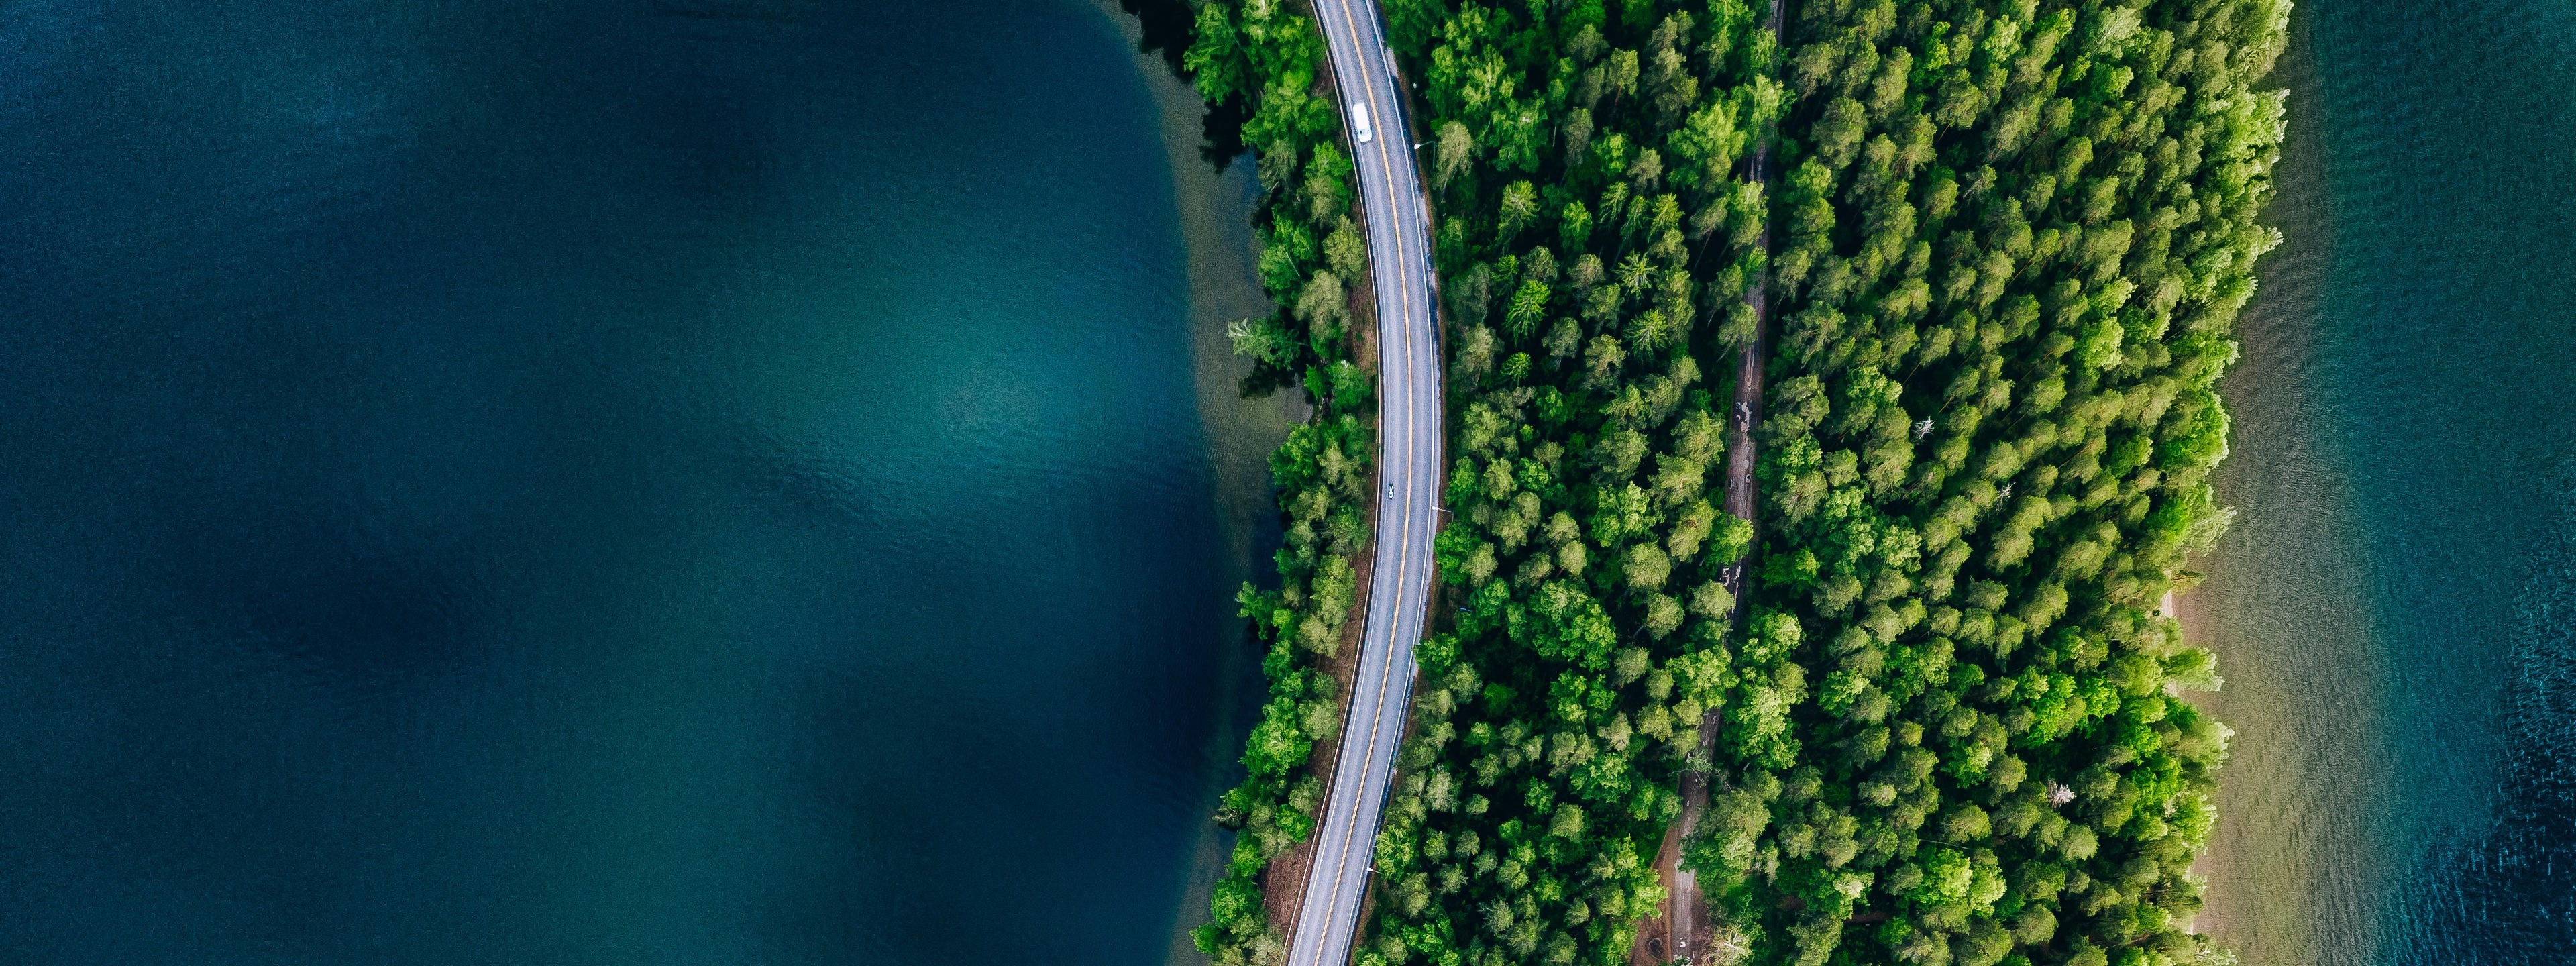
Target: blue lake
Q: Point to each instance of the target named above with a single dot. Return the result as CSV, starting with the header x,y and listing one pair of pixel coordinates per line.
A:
x,y
653,481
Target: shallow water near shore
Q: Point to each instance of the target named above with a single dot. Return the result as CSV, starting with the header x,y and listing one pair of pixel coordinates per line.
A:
x,y
610,482
2395,609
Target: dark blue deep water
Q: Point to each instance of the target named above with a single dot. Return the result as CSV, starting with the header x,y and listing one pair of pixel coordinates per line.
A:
x,y
596,481
2395,610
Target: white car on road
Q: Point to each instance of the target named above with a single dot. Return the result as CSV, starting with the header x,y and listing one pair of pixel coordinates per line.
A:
x,y
1360,121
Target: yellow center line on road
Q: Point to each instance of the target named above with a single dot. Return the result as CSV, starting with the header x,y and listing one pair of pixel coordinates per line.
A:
x,y
1351,821
1397,358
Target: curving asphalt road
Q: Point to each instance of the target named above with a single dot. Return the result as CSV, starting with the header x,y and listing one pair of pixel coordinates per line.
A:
x,y
1409,426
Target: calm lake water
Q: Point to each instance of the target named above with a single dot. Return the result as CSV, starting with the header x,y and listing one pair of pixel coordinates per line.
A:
x,y
651,481
2396,608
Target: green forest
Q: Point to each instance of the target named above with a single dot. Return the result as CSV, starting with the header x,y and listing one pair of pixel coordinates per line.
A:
x,y
2004,250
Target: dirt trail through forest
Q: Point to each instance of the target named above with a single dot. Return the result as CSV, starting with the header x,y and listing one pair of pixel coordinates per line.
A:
x,y
1683,930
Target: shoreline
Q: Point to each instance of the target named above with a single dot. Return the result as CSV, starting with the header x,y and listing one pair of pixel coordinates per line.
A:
x,y
1215,228
2271,923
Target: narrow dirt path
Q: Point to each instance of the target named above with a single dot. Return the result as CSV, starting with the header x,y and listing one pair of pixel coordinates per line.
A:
x,y
1683,932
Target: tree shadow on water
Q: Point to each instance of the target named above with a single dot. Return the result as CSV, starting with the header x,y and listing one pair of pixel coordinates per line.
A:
x,y
1170,26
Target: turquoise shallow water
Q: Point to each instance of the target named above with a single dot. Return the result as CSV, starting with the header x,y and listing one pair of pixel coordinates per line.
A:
x,y
2395,609
598,482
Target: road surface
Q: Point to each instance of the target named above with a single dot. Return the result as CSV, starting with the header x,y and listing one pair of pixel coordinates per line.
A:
x,y
1409,442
